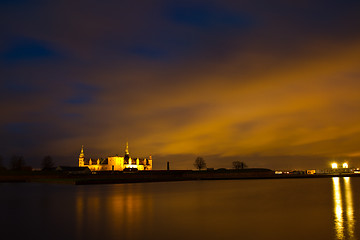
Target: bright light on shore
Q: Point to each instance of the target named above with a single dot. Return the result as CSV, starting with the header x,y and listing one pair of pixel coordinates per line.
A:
x,y
334,165
345,165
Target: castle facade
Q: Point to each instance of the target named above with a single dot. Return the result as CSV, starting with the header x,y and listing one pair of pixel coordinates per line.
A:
x,y
115,163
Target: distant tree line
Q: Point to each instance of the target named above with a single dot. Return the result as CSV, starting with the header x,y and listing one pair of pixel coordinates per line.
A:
x,y
17,163
201,164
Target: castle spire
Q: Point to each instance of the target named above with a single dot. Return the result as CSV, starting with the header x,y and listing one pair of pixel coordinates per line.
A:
x,y
127,148
82,151
81,156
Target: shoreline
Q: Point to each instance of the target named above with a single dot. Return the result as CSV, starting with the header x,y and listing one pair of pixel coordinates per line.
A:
x,y
153,176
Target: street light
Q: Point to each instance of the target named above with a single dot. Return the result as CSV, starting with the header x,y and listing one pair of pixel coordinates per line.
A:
x,y
334,165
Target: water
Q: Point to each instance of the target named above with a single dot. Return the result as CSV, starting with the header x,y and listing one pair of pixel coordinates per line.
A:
x,y
239,209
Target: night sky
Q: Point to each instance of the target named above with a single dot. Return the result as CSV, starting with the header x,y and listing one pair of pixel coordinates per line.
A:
x,y
272,83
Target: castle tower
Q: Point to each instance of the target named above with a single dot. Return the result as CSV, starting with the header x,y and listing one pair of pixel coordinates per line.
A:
x,y
127,155
149,167
81,157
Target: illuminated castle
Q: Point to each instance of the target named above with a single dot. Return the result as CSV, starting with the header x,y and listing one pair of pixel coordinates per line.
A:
x,y
115,163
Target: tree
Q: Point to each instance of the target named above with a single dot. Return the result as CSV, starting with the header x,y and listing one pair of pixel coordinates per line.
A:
x,y
17,162
47,163
199,163
239,165
1,164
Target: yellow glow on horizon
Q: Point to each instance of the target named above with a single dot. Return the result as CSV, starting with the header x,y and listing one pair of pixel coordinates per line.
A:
x,y
345,165
334,165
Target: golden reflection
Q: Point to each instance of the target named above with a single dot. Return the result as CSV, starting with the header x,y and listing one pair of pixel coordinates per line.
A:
x,y
349,208
344,221
117,208
339,228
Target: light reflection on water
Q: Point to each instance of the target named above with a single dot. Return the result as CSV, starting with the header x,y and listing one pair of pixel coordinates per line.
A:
x,y
293,209
344,220
117,214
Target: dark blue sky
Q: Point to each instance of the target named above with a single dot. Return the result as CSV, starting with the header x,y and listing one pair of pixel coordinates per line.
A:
x,y
272,83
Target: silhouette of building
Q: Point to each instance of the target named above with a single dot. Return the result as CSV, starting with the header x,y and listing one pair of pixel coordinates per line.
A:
x,y
115,163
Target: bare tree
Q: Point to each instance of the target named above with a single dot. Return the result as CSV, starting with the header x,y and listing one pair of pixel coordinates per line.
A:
x,y
47,163
199,163
2,164
17,162
239,165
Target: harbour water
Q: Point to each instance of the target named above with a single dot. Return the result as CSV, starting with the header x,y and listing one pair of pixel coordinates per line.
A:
x,y
233,209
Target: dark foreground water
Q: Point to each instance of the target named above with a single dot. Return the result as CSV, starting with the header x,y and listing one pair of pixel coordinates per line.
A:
x,y
239,209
